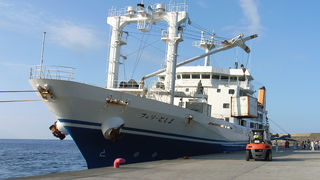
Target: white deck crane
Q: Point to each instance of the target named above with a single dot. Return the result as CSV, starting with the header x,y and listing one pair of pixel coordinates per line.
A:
x,y
234,42
145,17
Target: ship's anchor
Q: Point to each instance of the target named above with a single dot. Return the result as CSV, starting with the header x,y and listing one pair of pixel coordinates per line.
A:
x,y
115,134
111,129
56,132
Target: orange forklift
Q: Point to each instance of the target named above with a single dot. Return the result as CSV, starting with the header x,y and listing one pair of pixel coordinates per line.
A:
x,y
259,147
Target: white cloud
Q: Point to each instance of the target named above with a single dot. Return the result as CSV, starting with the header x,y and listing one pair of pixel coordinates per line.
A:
x,y
5,4
25,18
18,17
250,23
250,11
202,4
15,65
73,36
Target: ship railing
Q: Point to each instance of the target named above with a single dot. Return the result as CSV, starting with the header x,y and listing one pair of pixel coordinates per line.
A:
x,y
117,12
51,72
175,7
202,41
132,84
164,34
245,84
123,84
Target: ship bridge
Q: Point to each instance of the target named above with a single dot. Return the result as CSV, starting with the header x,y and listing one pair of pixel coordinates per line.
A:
x,y
189,77
219,86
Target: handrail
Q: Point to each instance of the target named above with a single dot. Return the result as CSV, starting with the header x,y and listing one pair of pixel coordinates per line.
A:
x,y
51,72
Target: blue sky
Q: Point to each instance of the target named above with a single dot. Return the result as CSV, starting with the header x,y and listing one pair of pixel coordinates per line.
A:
x,y
284,58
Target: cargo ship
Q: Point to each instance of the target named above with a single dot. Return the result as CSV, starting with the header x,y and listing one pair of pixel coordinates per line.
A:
x,y
190,110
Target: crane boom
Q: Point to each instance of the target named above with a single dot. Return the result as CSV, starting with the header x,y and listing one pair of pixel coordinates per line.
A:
x,y
228,45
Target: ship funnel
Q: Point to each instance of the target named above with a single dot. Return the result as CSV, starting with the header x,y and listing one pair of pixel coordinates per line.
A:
x,y
111,128
262,96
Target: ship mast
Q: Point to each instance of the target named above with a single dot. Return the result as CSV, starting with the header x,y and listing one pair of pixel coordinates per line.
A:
x,y
207,45
42,51
175,15
172,37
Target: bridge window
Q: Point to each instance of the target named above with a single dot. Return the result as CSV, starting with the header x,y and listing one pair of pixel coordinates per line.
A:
x,y
185,76
242,78
224,78
226,105
215,77
195,76
233,78
205,76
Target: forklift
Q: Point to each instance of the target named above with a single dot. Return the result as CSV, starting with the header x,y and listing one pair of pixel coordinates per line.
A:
x,y
259,147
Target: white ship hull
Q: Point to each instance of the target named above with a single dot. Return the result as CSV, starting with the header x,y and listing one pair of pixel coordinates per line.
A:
x,y
152,130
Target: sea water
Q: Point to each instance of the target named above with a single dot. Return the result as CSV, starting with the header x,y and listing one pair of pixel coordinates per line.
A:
x,y
20,158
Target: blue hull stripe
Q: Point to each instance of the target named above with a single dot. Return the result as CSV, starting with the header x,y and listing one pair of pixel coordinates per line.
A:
x,y
101,152
153,132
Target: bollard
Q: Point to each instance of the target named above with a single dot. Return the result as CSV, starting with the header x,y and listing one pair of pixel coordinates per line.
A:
x,y
117,162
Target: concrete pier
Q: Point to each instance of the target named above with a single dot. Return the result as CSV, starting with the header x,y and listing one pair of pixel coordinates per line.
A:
x,y
289,164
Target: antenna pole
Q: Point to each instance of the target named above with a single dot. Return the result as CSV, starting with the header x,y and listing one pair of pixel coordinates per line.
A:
x,y
42,51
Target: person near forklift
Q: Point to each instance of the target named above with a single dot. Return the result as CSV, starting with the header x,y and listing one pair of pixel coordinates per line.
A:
x,y
256,137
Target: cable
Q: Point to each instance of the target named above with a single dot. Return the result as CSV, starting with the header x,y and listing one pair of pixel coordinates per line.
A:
x,y
200,28
139,55
150,44
17,91
248,60
19,101
196,36
279,126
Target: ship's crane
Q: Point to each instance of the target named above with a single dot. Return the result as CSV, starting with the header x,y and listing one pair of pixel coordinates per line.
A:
x,y
234,42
